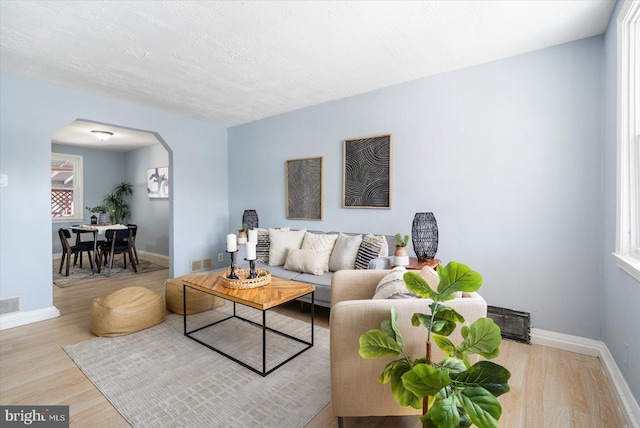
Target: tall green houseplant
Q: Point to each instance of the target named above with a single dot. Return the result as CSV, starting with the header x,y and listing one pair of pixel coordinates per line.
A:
x,y
117,202
452,393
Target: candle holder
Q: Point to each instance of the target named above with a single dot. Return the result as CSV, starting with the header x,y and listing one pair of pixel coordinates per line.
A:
x,y
232,273
252,269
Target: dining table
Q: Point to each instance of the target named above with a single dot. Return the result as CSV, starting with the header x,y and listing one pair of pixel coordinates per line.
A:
x,y
97,230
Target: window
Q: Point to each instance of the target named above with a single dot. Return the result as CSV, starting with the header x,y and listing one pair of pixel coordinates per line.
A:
x,y
66,187
628,227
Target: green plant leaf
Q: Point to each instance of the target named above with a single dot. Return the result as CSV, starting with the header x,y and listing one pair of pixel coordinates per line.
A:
x,y
375,344
482,337
391,329
385,376
424,380
452,366
437,325
416,284
444,412
457,277
402,395
445,345
446,312
486,374
481,407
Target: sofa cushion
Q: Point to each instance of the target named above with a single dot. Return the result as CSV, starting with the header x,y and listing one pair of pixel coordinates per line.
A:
x,y
344,252
280,243
319,242
262,246
307,261
369,249
392,286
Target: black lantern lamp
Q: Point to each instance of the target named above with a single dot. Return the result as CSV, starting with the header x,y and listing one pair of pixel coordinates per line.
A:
x,y
250,218
424,235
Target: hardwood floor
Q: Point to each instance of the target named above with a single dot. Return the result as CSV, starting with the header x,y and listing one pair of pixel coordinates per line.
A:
x,y
549,387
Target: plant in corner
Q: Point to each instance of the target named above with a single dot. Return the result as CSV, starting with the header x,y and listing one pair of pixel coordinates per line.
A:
x,y
452,392
117,202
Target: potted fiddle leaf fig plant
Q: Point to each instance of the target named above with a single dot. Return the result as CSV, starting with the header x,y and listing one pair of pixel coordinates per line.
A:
x,y
452,392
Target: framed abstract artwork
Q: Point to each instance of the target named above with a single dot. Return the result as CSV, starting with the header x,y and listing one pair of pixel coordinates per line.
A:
x,y
367,172
158,182
305,189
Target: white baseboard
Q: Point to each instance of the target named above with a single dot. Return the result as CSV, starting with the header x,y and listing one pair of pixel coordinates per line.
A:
x,y
16,319
158,256
58,256
594,348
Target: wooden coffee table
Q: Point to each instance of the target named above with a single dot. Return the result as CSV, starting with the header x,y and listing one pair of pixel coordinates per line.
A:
x,y
278,292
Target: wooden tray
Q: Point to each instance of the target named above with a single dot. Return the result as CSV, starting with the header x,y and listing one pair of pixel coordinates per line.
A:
x,y
263,278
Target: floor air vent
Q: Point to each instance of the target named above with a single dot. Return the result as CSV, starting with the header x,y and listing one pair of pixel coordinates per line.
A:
x,y
9,305
515,325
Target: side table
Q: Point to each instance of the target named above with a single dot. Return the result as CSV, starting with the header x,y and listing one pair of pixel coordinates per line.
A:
x,y
414,264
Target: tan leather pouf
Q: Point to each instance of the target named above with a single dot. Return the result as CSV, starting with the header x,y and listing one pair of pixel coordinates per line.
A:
x,y
126,311
197,301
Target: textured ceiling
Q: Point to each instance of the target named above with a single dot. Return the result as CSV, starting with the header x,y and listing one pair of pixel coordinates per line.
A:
x,y
235,62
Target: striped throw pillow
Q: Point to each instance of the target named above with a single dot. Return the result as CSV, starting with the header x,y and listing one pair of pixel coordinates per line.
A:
x,y
369,249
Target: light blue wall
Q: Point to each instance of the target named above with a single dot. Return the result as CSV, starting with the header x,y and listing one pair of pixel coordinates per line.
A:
x,y
151,215
101,171
30,113
620,293
507,155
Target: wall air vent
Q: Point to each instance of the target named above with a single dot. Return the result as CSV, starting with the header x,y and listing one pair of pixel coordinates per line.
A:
x,y
515,325
203,264
9,305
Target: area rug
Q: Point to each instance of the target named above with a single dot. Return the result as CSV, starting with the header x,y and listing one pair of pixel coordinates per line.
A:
x,y
160,378
79,276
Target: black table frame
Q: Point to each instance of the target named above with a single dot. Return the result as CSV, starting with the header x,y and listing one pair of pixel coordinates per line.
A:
x,y
264,372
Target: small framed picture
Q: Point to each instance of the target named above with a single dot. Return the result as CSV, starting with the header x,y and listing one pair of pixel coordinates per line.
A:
x,y
158,182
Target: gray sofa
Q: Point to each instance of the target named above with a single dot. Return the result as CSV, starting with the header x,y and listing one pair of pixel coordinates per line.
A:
x,y
322,282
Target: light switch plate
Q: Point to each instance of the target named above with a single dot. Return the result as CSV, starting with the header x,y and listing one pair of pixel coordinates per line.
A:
x,y
4,180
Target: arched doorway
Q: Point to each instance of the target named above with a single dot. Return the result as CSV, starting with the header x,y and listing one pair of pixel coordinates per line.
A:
x,y
129,155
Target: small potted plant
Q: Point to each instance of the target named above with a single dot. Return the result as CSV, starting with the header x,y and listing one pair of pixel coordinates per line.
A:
x,y
401,256
242,234
102,217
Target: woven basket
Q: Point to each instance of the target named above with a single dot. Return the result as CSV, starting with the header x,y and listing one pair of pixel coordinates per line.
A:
x,y
244,282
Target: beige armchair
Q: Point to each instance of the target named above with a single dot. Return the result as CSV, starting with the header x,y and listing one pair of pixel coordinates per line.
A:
x,y
355,390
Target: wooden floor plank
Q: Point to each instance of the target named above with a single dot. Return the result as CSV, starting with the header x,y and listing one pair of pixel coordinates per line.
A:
x,y
549,387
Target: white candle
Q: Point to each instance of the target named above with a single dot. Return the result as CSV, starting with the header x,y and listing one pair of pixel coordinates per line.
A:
x,y
253,236
251,250
231,243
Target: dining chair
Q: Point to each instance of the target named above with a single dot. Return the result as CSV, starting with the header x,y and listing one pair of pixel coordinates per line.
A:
x,y
68,250
87,244
134,230
118,241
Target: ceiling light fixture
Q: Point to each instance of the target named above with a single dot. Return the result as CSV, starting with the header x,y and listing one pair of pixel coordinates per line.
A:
x,y
102,135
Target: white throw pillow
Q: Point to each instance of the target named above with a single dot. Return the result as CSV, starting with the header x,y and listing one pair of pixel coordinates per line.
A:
x,y
392,286
344,252
319,242
280,243
307,261
384,250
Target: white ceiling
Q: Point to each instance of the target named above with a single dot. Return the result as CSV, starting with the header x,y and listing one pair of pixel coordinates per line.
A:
x,y
78,133
233,62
